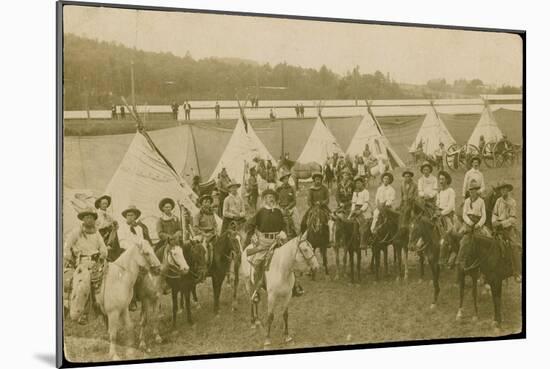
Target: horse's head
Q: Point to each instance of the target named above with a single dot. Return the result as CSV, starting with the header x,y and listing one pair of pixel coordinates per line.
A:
x,y
80,293
195,253
174,258
305,256
419,233
146,257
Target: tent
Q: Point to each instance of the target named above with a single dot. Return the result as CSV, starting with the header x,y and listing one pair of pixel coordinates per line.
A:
x,y
431,133
486,127
243,147
320,145
370,133
143,178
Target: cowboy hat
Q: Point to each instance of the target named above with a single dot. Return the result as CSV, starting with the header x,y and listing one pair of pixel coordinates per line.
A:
x,y
233,184
87,211
346,170
132,209
283,175
205,197
407,171
389,175
446,175
269,191
504,184
98,200
358,178
165,201
316,174
475,158
426,164
473,185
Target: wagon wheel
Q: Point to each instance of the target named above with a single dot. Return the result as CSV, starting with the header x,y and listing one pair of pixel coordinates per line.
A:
x,y
504,156
488,155
467,152
452,157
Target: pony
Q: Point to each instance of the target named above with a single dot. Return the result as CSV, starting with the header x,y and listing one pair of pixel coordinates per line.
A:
x,y
295,255
315,222
226,253
116,290
384,235
424,239
79,297
347,235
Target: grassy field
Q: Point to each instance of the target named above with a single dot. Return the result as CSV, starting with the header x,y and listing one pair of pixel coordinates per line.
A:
x,y
332,312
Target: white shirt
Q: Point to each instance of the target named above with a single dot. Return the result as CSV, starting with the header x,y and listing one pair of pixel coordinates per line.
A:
x,y
385,195
126,238
471,175
476,208
362,199
427,186
446,201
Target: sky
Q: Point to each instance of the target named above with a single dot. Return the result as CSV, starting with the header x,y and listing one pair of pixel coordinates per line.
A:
x,y
409,54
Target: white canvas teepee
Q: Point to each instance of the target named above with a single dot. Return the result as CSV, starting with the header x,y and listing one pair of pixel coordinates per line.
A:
x,y
243,147
320,145
486,127
143,178
370,133
431,133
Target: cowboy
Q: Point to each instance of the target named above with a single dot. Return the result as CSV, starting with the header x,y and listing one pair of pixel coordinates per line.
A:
x,y
473,175
427,184
106,225
409,193
318,193
252,189
169,228
205,225
360,207
385,196
233,207
344,191
84,245
504,220
287,202
445,212
132,231
266,231
439,153
473,213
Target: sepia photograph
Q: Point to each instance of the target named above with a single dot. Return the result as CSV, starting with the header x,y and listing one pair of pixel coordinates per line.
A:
x,y
238,183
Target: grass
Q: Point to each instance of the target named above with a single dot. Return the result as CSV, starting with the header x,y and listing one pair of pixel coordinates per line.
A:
x,y
332,312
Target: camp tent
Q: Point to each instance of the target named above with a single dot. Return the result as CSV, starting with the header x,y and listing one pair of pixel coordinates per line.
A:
x,y
431,133
243,147
143,178
486,127
320,145
370,133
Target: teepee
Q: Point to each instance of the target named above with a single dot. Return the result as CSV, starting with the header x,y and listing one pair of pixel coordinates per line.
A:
x,y
243,147
370,133
486,127
431,133
320,145
143,178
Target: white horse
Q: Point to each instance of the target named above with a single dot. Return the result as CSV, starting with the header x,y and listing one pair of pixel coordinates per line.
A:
x,y
295,255
117,290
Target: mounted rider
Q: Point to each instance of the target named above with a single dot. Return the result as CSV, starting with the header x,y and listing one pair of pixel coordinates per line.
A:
x,y
318,195
205,226
409,194
233,209
223,190
504,220
361,208
107,226
427,186
385,196
473,174
445,216
169,227
344,192
83,246
287,203
266,231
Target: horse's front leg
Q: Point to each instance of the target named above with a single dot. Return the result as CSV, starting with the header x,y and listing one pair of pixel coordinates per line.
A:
x,y
359,264
376,263
325,261
496,292
216,289
287,337
386,269
474,294
397,257
421,262
434,265
235,285
174,306
337,257
270,317
187,295
461,280
129,328
352,265
406,271
145,314
114,326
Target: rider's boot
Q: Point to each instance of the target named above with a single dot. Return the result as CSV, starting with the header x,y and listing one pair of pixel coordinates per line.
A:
x,y
297,290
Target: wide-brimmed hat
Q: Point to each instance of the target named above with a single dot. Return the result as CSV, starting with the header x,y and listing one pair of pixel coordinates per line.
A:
x,y
269,191
165,201
346,170
283,175
359,178
503,185
389,175
205,197
85,212
233,184
131,209
446,175
473,185
426,164
475,158
407,171
316,174
98,200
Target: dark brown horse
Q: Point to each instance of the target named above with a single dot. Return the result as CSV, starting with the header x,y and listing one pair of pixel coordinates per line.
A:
x,y
315,222
424,239
226,252
348,236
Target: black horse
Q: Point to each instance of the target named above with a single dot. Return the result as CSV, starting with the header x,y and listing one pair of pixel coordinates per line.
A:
x,y
387,232
315,222
424,239
226,251
195,255
348,235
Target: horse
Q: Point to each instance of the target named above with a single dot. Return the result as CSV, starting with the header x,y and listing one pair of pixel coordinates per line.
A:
x,y
195,255
297,254
425,238
315,222
116,290
80,292
149,288
385,233
489,257
348,236
226,253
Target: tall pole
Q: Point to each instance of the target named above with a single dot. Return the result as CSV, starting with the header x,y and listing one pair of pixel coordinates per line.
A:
x,y
282,138
133,87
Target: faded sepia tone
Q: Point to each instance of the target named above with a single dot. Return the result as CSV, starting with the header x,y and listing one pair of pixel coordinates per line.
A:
x,y
369,176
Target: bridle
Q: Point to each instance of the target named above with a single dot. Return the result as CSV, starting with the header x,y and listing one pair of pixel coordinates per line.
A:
x,y
299,249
